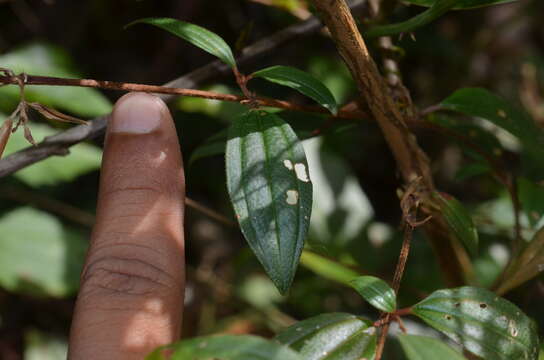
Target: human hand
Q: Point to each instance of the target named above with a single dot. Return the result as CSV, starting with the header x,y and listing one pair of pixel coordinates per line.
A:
x,y
132,284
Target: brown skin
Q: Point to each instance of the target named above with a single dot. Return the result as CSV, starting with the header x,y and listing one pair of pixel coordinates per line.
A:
x,y
132,284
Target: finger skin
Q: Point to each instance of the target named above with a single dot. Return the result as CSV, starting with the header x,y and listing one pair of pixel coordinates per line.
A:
x,y
131,296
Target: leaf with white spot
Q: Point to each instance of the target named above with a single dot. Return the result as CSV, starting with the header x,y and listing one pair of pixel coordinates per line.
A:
x,y
482,322
271,200
333,336
225,347
300,81
196,35
376,291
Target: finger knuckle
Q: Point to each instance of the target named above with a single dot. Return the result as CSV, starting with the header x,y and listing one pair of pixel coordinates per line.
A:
x,y
120,277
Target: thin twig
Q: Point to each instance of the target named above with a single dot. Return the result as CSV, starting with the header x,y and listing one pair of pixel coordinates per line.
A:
x,y
209,212
122,86
383,335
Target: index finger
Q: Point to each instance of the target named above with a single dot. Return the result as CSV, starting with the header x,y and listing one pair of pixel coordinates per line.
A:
x,y
131,294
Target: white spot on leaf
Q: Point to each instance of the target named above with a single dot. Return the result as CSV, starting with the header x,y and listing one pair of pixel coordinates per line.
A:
x,y
292,197
288,164
513,329
302,174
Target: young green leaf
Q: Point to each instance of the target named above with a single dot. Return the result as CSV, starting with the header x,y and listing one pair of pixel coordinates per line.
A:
x,y
225,347
300,81
327,268
333,336
459,221
376,291
427,348
196,35
482,322
481,103
461,4
438,8
270,189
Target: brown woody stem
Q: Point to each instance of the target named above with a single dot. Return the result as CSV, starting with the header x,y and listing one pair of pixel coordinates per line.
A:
x,y
123,86
411,160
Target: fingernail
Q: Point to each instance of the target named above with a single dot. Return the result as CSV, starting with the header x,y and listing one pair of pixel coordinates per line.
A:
x,y
137,113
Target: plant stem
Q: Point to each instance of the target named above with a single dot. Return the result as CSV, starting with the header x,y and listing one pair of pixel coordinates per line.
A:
x,y
397,278
123,86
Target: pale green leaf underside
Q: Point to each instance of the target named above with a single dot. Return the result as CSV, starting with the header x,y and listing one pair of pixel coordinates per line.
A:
x,y
481,321
38,255
376,291
301,81
459,221
196,35
427,348
332,336
82,159
47,60
226,347
269,187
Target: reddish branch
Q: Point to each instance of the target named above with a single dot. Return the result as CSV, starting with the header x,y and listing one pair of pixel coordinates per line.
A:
x,y
122,86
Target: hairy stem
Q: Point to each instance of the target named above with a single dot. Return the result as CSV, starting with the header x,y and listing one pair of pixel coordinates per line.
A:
x,y
374,96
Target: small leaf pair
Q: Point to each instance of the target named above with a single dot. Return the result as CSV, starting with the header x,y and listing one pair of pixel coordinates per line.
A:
x,y
215,45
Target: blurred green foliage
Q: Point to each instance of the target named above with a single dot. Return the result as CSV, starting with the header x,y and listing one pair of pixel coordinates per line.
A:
x,y
354,228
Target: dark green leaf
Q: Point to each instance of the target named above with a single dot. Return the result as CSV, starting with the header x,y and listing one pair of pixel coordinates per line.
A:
x,y
196,35
481,103
459,221
225,347
427,348
461,4
528,264
300,81
39,256
334,336
327,268
439,8
270,189
376,291
482,322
